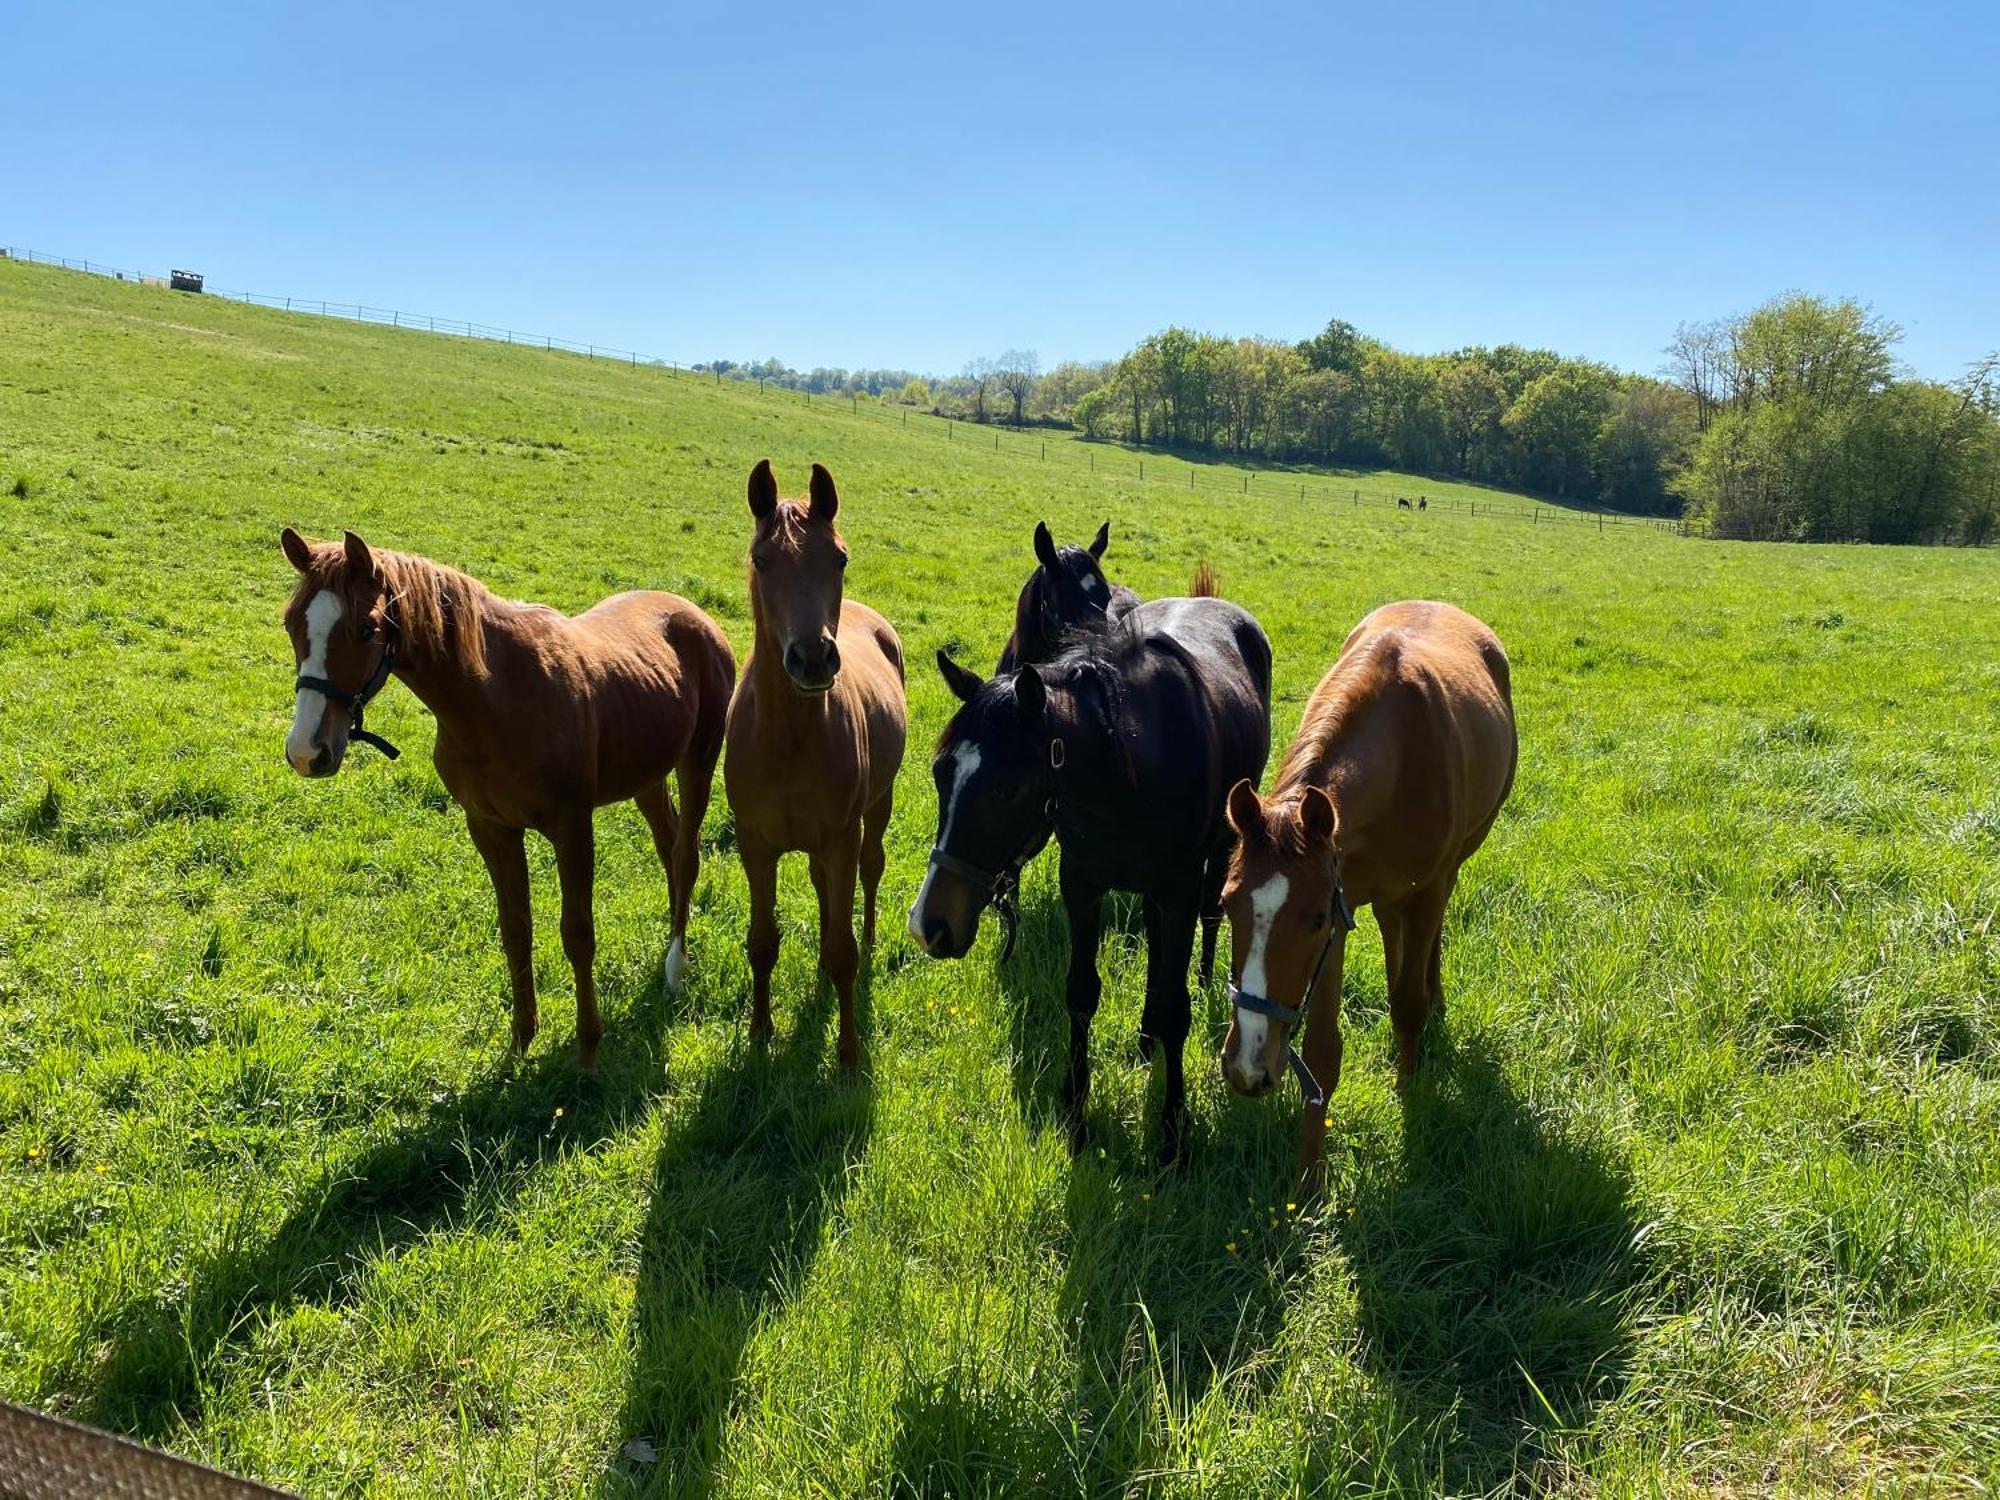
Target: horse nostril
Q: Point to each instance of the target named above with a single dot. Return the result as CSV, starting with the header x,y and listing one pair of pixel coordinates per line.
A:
x,y
832,658
937,937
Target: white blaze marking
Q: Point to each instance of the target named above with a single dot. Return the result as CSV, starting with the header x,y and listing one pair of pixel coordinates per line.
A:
x,y
1254,1030
676,965
321,616
966,758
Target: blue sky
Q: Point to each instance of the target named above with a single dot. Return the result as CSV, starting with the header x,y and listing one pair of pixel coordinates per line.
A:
x,y
913,186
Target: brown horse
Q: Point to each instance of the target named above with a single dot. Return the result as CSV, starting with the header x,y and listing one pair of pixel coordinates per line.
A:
x,y
541,718
816,733
1405,754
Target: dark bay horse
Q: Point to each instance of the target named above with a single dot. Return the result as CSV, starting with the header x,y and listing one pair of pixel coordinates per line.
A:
x,y
1124,744
1401,764
1067,591
541,718
815,739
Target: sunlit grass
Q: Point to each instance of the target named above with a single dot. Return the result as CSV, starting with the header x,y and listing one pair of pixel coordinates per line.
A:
x,y
1698,1190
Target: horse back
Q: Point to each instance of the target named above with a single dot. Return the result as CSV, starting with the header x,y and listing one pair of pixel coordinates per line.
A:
x,y
1415,727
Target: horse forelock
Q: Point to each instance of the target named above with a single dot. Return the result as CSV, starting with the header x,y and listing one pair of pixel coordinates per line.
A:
x,y
437,610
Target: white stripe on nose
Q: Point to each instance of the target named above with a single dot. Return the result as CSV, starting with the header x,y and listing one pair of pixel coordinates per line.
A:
x,y
966,759
1253,1030
321,616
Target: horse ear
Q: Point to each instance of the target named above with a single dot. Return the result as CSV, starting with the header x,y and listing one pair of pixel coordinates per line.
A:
x,y
1246,813
763,490
963,684
298,551
825,499
359,558
1031,695
1045,546
1318,817
1101,540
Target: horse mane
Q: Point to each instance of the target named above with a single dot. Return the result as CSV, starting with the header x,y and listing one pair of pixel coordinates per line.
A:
x,y
439,611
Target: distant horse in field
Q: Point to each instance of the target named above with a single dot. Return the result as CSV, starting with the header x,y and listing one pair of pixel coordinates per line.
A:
x,y
1423,502
1122,744
1402,503
1403,760
1067,591
541,718
815,738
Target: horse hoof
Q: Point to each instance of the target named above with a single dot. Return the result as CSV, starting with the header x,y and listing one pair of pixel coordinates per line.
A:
x,y
676,966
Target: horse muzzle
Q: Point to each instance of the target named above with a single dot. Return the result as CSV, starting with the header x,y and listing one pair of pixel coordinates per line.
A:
x,y
809,674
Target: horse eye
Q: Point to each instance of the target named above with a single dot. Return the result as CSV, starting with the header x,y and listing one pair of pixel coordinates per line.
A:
x,y
757,561
1318,921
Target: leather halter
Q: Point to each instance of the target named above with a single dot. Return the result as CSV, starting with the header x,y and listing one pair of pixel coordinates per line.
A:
x,y
1310,1093
1003,886
356,702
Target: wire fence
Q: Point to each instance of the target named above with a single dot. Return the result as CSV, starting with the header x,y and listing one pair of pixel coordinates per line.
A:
x,y
1107,461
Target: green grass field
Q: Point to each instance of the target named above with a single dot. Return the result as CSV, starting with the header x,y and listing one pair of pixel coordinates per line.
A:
x,y
1699,1190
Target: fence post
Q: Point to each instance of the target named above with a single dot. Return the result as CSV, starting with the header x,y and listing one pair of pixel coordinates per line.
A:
x,y
1093,460
1357,499
1190,476
949,428
1246,484
996,442
1045,451
1142,469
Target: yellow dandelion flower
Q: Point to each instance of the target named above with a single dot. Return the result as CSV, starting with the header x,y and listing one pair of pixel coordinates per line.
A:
x,y
101,1168
559,1112
1230,1247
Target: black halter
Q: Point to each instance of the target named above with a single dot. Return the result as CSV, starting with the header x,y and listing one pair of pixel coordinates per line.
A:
x,y
1003,886
1310,1093
356,702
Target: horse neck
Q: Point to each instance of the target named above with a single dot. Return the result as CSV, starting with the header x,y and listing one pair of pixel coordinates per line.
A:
x,y
443,682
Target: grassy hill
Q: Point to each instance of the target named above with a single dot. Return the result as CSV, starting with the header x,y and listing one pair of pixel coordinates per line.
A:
x,y
1698,1191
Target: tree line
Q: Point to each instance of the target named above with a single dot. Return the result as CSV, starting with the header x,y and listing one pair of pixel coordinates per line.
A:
x,y
1790,422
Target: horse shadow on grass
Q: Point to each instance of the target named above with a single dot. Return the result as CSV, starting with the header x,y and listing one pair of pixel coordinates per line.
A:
x,y
1172,1279
455,1167
1495,1264
746,1179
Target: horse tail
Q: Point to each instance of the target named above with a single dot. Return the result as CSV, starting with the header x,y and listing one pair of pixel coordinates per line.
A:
x,y
1206,585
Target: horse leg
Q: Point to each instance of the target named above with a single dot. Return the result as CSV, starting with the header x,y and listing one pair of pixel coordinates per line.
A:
x,y
833,872
695,776
506,856
1435,972
760,873
1320,1046
658,809
1211,911
1083,905
1410,994
874,823
576,871
1170,923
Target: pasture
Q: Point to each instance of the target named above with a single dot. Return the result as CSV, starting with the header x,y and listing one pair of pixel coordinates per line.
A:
x,y
1698,1189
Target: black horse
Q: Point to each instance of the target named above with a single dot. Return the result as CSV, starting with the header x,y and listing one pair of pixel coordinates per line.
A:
x,y
1068,591
1125,744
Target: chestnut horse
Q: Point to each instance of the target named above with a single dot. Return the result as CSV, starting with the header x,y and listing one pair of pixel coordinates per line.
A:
x,y
815,739
541,718
1067,591
1400,766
